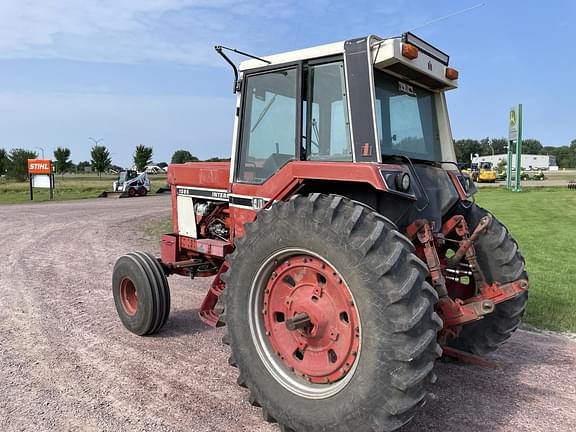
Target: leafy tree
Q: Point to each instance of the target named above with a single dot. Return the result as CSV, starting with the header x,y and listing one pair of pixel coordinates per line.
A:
x,y
18,167
465,147
500,145
62,156
218,159
4,161
181,156
101,160
142,157
501,167
532,146
115,168
81,167
565,155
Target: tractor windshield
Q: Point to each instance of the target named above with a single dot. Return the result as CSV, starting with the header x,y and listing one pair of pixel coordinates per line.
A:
x,y
406,119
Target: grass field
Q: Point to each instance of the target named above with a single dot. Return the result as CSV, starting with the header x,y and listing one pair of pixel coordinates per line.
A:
x,y
67,187
543,221
565,174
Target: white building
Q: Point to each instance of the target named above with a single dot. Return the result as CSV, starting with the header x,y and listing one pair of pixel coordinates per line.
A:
x,y
528,161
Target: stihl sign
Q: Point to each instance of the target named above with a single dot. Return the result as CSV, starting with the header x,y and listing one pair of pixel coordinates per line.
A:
x,y
39,166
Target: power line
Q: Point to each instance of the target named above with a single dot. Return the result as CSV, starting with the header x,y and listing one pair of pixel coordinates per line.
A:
x,y
435,20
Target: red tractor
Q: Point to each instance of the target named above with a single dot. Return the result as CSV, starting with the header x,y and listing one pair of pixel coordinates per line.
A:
x,y
346,250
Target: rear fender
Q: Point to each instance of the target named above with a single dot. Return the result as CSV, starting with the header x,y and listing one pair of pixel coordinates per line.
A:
x,y
364,183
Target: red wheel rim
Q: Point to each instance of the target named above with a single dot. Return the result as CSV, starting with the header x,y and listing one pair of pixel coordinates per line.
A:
x,y
128,297
323,349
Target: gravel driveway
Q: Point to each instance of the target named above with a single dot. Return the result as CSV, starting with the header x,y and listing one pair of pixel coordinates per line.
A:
x,y
67,364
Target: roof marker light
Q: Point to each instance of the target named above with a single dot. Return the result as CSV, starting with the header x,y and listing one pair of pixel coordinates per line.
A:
x,y
409,51
451,74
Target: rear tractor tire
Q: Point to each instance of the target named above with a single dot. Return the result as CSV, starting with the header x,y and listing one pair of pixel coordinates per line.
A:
x,y
501,261
131,192
329,316
141,293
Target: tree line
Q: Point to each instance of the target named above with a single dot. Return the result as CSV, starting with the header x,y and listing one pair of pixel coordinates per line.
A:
x,y
565,155
14,164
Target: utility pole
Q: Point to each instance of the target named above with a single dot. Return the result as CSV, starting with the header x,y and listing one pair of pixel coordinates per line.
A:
x,y
96,141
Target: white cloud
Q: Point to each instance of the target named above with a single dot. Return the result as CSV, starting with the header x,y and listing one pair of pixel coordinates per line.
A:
x,y
183,31
128,31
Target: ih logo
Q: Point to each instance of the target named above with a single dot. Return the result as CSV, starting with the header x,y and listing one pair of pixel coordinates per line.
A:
x,y
39,166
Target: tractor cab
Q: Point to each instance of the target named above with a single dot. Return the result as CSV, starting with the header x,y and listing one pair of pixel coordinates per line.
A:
x,y
367,100
363,100
125,175
486,173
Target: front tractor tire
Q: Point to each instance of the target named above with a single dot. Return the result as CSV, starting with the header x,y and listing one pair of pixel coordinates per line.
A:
x,y
330,319
141,293
501,261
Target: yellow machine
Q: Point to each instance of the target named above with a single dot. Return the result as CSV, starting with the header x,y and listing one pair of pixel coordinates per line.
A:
x,y
486,173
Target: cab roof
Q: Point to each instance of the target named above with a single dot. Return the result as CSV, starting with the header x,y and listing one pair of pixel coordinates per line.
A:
x,y
427,69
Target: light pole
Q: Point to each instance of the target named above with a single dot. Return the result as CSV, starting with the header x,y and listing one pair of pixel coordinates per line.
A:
x,y
491,148
42,150
96,141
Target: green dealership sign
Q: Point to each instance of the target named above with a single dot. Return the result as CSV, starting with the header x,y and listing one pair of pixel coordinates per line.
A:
x,y
514,140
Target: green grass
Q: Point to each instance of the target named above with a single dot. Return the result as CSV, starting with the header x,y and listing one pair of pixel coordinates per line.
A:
x,y
67,187
543,221
563,174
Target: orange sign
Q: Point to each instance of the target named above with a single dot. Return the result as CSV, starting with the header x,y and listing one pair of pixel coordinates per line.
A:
x,y
39,166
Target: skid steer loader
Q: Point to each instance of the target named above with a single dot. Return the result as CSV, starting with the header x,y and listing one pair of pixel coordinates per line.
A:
x,y
128,184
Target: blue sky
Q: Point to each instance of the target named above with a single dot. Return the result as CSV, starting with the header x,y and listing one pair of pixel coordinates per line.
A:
x,y
144,71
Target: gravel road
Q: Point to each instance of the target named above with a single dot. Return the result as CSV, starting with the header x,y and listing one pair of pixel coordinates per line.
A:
x,y
67,364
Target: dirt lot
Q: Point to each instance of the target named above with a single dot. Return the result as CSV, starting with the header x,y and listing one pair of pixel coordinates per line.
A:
x,y
66,363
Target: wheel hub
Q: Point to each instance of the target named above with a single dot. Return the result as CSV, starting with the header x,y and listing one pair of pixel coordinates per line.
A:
x,y
310,319
128,297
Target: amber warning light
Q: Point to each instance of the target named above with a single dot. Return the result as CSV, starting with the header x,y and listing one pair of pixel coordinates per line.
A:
x,y
409,51
451,74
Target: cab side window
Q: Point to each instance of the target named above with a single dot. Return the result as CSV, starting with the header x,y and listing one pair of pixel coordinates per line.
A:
x,y
268,134
327,130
